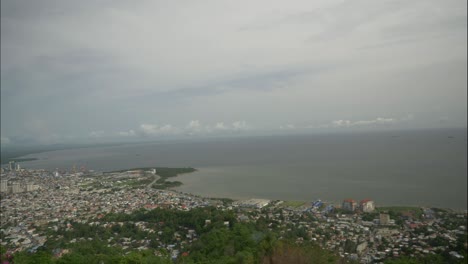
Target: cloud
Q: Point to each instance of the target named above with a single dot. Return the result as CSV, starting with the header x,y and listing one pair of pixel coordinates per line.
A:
x,y
156,130
409,117
378,120
194,126
361,123
288,127
240,125
272,64
96,134
129,133
220,126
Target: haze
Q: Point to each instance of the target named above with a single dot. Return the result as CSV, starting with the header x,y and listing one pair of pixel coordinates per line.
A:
x,y
95,71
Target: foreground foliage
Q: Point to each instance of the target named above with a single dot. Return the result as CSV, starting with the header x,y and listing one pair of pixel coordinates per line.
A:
x,y
224,240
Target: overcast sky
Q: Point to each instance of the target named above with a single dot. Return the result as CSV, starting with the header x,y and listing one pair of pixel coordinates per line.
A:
x,y
121,70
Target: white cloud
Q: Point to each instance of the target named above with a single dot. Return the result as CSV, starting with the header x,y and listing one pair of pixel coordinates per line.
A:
x,y
273,63
129,133
194,127
288,127
376,121
167,129
220,126
96,134
240,125
154,130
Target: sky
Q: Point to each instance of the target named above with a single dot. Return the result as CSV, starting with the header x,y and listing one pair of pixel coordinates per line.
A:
x,y
92,71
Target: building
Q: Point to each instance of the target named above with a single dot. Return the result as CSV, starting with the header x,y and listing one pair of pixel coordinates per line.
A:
x,y
31,187
11,165
384,219
255,203
367,206
349,205
16,188
4,186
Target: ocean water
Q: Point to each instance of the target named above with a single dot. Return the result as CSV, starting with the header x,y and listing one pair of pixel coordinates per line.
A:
x,y
426,168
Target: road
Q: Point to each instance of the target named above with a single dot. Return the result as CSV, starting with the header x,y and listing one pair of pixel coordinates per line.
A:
x,y
156,177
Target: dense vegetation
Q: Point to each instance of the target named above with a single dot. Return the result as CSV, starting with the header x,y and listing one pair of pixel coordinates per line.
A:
x,y
116,238
164,173
218,242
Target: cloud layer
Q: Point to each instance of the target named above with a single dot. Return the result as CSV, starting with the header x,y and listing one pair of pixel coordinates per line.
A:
x,y
70,68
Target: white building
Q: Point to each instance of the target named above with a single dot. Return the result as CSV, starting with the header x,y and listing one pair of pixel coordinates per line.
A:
x,y
367,206
256,203
16,188
31,187
11,165
4,186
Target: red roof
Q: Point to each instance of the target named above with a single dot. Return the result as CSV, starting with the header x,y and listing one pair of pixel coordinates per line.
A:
x,y
366,200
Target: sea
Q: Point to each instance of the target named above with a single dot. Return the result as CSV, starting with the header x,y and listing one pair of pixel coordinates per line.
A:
x,y
393,168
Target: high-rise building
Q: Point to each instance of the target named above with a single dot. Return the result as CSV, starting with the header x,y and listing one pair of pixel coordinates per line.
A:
x,y
384,219
367,205
16,188
31,187
11,165
349,205
3,186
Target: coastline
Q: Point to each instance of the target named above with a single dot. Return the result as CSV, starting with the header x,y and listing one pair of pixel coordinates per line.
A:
x,y
197,183
129,193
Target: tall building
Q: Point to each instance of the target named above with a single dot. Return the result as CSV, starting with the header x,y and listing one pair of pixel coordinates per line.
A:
x,y
4,186
349,205
31,187
11,165
384,219
16,188
367,205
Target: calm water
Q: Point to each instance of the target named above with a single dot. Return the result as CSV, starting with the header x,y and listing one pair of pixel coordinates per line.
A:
x,y
392,168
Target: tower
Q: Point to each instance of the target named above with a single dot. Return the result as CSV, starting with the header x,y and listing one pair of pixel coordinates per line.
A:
x,y
4,186
11,165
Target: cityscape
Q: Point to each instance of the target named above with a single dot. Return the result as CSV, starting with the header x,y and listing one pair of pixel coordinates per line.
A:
x,y
234,132
33,201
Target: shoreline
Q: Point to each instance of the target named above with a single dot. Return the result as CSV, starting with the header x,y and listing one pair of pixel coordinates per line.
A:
x,y
337,204
165,173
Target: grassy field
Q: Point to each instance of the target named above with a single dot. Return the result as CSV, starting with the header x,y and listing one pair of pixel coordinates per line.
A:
x,y
415,211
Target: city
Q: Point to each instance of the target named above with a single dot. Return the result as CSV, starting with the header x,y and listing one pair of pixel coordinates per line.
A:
x,y
33,201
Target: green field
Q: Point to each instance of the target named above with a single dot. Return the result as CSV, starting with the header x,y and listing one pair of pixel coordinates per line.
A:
x,y
397,210
294,204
